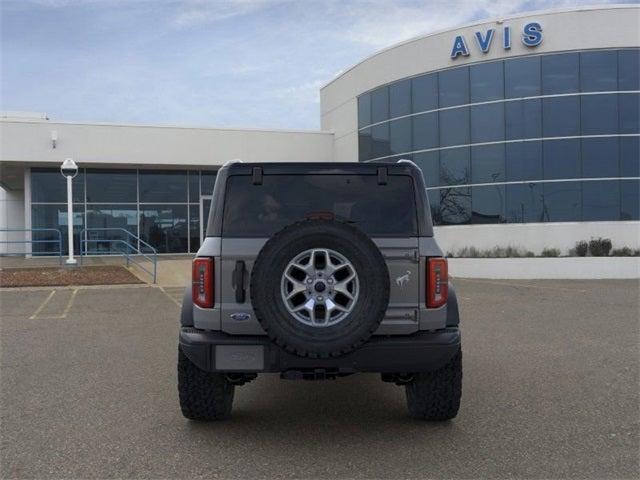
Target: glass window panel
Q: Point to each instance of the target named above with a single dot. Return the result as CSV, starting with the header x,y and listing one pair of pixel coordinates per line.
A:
x,y
560,73
630,156
629,70
163,186
364,110
114,218
54,216
562,202
425,131
400,98
487,81
454,127
380,105
208,179
522,77
561,159
487,123
194,227
387,209
561,116
523,161
524,203
455,206
630,200
429,163
600,201
629,113
365,145
380,141
119,186
600,157
488,204
453,87
599,71
194,186
523,119
165,227
424,92
487,164
454,166
48,185
599,114
434,204
400,135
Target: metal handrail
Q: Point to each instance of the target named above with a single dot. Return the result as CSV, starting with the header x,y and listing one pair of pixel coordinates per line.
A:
x,y
32,241
127,252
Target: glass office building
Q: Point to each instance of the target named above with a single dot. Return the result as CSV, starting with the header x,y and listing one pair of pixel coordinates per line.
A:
x,y
539,138
165,208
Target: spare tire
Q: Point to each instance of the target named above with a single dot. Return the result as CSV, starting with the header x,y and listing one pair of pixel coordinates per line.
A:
x,y
320,288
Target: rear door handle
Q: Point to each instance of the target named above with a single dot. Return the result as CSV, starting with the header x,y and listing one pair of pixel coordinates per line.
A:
x,y
238,281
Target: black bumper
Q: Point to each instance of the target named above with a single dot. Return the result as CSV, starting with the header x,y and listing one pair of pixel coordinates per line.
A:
x,y
420,352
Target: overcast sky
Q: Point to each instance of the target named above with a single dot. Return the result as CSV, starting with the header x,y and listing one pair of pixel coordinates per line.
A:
x,y
227,63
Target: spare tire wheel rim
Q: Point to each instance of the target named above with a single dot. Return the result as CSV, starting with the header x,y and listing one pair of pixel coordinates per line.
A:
x,y
319,287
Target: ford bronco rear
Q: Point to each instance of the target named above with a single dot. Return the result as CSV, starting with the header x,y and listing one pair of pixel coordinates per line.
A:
x,y
315,271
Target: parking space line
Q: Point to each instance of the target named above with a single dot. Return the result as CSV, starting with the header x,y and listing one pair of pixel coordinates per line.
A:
x,y
69,303
42,305
170,297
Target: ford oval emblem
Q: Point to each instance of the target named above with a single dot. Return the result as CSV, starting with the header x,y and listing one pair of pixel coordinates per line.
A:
x,y
240,316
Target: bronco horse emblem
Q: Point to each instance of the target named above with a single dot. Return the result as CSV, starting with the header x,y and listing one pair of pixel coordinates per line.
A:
x,y
401,280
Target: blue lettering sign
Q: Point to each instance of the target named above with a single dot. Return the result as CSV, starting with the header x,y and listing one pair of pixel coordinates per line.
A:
x,y
532,34
485,43
506,38
459,47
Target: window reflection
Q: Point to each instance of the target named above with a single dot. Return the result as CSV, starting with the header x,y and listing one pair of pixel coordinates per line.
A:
x,y
523,119
487,81
630,200
424,92
561,202
522,77
487,164
560,73
524,203
364,110
400,99
114,218
107,186
599,114
49,186
54,216
598,71
455,205
400,135
523,161
600,201
165,227
487,123
163,186
425,131
561,159
561,116
454,127
488,204
380,105
453,87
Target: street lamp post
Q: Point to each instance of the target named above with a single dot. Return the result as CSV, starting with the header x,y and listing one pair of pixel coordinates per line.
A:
x,y
69,169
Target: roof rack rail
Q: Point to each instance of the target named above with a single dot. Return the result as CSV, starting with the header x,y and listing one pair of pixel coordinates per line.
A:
x,y
406,160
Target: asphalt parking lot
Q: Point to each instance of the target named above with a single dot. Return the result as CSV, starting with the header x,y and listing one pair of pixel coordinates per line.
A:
x,y
551,380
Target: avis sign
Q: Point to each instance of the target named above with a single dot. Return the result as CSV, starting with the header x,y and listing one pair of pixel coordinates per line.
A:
x,y
531,37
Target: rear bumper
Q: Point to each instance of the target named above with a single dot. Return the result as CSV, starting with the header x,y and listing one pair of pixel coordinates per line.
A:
x,y
219,352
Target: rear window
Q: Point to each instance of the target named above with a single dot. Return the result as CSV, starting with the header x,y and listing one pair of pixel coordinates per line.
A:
x,y
262,210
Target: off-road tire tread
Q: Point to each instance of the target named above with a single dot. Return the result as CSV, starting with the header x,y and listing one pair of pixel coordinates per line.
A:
x,y
436,395
281,342
203,395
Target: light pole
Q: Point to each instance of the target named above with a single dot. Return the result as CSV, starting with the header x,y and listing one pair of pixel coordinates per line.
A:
x,y
69,169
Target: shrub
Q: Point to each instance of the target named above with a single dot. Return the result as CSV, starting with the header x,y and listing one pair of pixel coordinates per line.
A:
x,y
581,248
600,247
550,252
529,253
623,252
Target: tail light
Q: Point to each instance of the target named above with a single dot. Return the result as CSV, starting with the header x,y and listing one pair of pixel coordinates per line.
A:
x,y
437,282
202,282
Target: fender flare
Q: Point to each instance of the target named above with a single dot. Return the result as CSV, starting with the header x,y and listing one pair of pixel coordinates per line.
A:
x,y
186,312
453,313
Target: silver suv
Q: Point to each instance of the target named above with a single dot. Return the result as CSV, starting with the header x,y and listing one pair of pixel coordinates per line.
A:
x,y
316,271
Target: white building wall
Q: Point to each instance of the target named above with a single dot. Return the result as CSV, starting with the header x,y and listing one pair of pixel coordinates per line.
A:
x,y
30,141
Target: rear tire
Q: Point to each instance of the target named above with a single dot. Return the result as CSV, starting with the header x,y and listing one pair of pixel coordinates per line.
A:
x,y
436,395
203,395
